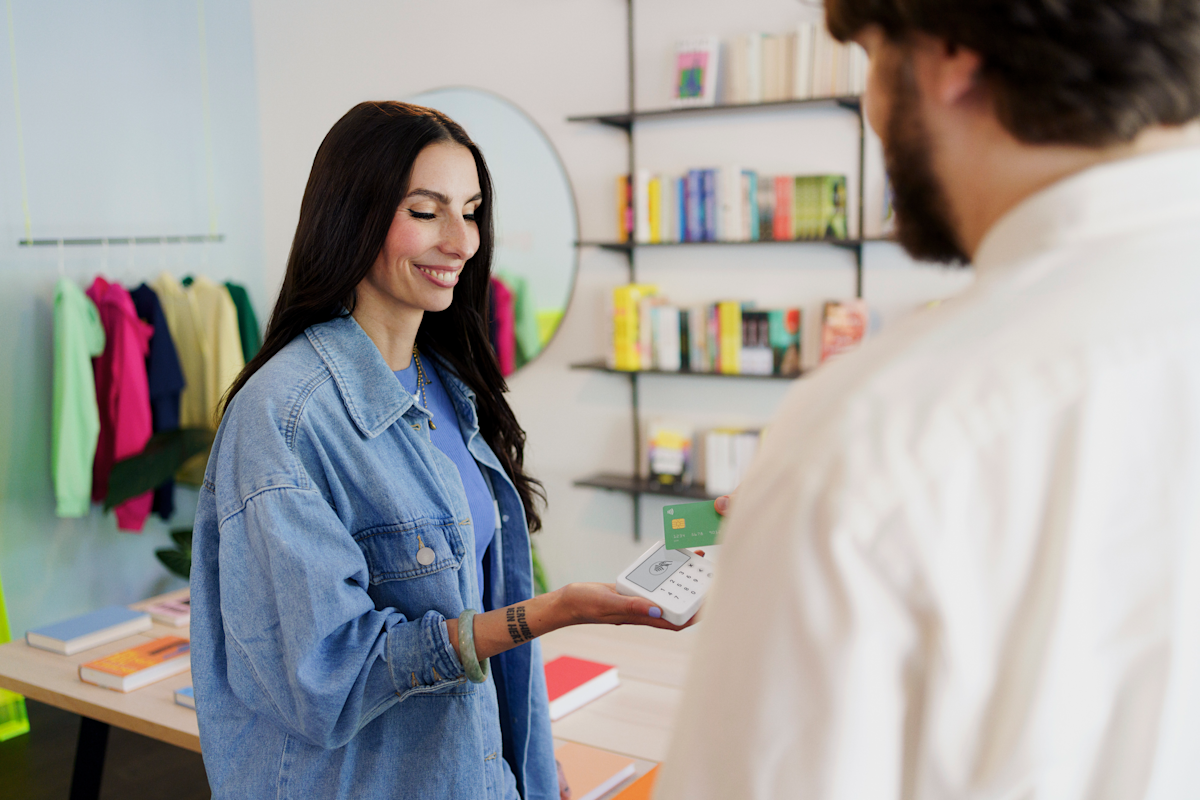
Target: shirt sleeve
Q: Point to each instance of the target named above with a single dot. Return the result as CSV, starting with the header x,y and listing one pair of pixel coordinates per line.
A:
x,y
809,651
305,644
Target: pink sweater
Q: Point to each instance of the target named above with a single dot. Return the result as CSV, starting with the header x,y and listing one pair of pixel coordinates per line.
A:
x,y
122,394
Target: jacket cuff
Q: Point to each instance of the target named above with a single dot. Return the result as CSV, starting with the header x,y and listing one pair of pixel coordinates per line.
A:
x,y
420,655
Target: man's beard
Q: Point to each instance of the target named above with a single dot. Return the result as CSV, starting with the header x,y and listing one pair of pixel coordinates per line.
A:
x,y
923,218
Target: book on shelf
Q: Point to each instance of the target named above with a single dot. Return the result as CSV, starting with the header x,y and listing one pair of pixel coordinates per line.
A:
x,y
729,337
801,64
669,453
626,323
728,453
90,630
641,789
844,324
176,613
574,682
731,204
186,697
696,71
138,666
590,772
783,333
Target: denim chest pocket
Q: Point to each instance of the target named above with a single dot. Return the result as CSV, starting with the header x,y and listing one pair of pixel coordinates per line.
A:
x,y
403,551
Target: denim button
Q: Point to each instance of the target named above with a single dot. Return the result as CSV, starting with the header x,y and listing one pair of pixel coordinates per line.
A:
x,y
425,556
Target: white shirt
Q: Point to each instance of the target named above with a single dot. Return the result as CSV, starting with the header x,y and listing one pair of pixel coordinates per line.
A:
x,y
966,563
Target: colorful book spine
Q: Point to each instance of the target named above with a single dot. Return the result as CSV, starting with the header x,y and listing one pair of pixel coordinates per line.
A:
x,y
654,203
626,335
750,224
710,205
730,322
623,209
695,206
784,191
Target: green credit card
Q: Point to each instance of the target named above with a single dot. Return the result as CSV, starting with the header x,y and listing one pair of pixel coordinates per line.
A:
x,y
690,525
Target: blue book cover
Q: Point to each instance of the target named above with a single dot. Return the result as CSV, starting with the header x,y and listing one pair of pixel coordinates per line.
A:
x,y
86,624
681,185
708,205
185,697
695,206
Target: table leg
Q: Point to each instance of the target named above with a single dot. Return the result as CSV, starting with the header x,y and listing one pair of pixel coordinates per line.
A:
x,y
89,759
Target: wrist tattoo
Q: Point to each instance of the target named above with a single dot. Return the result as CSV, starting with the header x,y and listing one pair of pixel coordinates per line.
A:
x,y
518,627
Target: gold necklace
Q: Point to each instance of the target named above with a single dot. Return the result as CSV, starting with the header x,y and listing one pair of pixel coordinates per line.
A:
x,y
421,383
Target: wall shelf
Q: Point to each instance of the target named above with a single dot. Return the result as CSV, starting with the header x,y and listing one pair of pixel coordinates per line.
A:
x,y
625,119
600,365
629,484
627,247
627,122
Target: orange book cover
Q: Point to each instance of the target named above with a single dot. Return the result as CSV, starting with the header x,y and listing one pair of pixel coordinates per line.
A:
x,y
137,666
591,773
641,789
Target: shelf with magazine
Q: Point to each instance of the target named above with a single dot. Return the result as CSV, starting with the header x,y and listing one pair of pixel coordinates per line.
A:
x,y
786,77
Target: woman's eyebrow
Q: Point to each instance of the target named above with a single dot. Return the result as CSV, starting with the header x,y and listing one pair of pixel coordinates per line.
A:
x,y
441,198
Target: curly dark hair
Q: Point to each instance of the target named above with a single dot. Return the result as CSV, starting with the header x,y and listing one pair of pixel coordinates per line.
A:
x,y
1083,72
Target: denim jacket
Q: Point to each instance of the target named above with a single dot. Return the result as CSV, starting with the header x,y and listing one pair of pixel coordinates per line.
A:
x,y
320,658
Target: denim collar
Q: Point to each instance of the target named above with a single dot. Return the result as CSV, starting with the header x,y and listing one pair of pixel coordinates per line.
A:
x,y
360,374
372,395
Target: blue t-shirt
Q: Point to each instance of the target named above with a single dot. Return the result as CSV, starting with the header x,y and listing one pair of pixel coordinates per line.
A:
x,y
448,438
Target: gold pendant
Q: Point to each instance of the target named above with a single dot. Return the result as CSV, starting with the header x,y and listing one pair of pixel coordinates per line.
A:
x,y
432,426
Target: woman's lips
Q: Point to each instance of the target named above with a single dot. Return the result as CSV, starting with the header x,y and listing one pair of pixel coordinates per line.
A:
x,y
445,277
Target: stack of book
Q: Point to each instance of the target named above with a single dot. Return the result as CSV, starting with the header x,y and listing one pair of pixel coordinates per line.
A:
x,y
728,453
730,204
802,64
719,457
727,337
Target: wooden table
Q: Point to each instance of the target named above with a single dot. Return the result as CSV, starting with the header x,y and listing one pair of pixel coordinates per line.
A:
x,y
634,719
53,679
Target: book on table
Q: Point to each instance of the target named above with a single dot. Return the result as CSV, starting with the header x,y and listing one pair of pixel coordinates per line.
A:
x,y
592,773
641,789
134,668
186,697
176,613
80,633
573,682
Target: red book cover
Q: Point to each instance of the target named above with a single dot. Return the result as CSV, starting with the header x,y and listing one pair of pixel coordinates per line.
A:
x,y
783,208
572,682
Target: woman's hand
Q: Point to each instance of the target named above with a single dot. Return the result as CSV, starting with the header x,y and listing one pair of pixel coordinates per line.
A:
x,y
601,603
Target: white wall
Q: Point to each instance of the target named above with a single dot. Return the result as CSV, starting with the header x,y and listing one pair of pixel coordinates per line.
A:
x,y
112,122
556,59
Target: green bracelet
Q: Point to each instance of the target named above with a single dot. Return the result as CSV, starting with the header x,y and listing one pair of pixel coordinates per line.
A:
x,y
476,673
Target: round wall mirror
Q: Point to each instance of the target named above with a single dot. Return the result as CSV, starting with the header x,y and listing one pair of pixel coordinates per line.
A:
x,y
536,223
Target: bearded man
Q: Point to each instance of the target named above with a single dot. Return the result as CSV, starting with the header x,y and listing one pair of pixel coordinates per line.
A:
x,y
967,561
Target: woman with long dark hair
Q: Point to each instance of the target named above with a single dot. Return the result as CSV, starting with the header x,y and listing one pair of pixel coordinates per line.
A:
x,y
362,540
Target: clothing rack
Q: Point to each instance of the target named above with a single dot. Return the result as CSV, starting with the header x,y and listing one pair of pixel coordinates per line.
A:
x,y
134,240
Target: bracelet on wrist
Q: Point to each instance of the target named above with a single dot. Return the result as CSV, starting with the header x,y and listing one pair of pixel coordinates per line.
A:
x,y
476,672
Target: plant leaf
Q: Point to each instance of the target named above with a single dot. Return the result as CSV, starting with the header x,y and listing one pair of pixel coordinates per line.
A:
x,y
183,538
176,561
165,453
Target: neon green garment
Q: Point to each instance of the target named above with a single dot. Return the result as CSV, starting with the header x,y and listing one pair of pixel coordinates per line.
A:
x,y
13,719
75,422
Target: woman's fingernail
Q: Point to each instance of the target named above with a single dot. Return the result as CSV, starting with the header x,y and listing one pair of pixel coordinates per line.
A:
x,y
722,504
655,612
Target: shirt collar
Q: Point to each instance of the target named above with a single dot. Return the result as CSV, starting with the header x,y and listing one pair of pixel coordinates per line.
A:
x,y
369,389
1114,198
